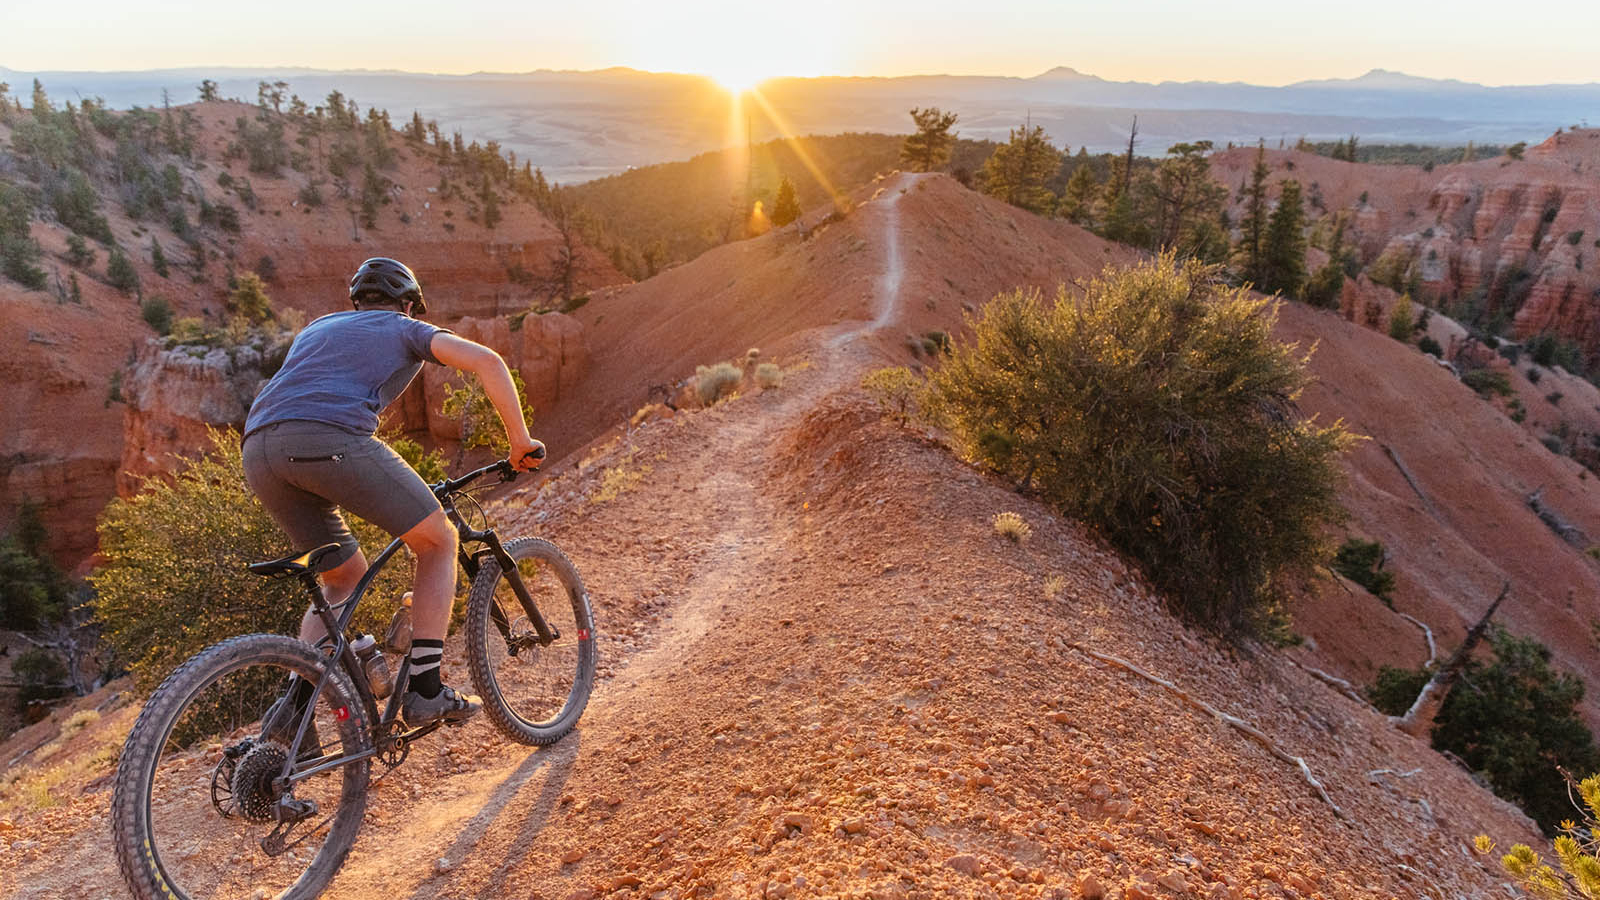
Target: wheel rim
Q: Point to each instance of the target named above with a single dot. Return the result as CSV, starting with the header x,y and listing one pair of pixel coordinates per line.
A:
x,y
535,681
209,814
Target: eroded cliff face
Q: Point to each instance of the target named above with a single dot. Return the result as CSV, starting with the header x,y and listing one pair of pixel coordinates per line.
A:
x,y
176,394
1518,239
62,360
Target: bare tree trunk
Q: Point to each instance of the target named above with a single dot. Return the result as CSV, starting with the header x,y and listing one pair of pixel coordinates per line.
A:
x,y
1418,720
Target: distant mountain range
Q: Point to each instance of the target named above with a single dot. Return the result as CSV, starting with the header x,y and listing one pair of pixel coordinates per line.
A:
x,y
580,125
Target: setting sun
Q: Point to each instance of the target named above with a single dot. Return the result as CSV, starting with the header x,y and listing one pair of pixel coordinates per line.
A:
x,y
736,79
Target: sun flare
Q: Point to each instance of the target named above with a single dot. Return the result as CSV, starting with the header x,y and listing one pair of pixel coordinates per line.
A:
x,y
737,79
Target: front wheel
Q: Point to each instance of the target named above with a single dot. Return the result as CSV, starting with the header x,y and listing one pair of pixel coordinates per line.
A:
x,y
533,692
201,807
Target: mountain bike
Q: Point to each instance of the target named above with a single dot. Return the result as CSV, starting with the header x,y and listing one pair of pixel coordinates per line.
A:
x,y
246,773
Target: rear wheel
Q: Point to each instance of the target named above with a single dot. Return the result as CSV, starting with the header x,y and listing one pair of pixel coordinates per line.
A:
x,y
200,807
533,693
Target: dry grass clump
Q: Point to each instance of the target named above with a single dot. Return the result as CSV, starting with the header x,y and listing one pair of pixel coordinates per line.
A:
x,y
1054,585
78,721
1012,527
769,376
712,383
620,479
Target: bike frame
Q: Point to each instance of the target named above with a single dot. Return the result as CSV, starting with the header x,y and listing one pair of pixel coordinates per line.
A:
x,y
336,624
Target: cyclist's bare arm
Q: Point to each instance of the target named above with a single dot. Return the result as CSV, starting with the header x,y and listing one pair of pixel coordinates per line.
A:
x,y
460,353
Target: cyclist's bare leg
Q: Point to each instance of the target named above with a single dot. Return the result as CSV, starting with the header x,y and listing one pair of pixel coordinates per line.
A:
x,y
337,583
433,540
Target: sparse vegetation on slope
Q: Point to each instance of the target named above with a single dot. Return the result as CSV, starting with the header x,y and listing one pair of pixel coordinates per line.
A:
x,y
1160,410
1514,720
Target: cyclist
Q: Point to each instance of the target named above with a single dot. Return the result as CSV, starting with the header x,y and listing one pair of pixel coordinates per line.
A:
x,y
310,449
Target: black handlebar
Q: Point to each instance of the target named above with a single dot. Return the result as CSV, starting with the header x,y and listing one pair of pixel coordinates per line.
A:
x,y
449,486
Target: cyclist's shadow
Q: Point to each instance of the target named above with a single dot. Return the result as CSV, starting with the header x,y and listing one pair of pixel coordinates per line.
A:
x,y
559,758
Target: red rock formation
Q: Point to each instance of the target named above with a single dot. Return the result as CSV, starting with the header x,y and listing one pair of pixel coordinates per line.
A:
x,y
1521,237
63,444
174,396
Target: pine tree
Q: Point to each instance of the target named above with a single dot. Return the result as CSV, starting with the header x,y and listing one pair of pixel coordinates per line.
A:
x,y
1019,169
1077,203
1327,282
208,91
786,208
1253,226
371,196
18,250
491,204
1283,252
929,147
158,260
121,273
1188,201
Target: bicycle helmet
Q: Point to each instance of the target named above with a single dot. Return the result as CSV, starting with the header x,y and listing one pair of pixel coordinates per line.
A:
x,y
389,277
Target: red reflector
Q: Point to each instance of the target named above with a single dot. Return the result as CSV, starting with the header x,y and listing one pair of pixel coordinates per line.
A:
x,y
343,713
583,634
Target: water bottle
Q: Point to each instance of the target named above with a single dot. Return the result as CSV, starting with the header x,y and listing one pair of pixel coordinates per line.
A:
x,y
397,638
375,664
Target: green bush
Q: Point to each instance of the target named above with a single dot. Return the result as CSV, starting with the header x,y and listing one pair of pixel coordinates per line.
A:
x,y
896,389
40,675
769,376
712,383
1361,561
1488,382
157,313
1515,724
480,422
121,273
173,579
249,298
1159,409
1401,320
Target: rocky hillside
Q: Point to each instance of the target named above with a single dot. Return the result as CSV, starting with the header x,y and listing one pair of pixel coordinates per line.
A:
x,y
1512,244
825,675
129,219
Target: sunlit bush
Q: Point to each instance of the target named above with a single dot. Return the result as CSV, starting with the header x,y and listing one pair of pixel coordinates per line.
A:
x,y
174,579
1160,409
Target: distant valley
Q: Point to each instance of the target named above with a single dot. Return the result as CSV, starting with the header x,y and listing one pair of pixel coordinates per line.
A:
x,y
577,126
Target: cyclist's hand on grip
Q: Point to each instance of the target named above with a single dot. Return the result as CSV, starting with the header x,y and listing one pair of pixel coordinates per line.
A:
x,y
527,456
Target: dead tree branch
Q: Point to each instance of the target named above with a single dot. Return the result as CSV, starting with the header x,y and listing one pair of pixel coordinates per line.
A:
x,y
1419,718
1249,730
1433,649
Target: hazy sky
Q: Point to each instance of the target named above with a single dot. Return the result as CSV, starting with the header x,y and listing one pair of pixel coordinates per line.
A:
x,y
1488,41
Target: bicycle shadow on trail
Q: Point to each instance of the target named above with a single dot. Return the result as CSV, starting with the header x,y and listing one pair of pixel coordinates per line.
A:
x,y
559,759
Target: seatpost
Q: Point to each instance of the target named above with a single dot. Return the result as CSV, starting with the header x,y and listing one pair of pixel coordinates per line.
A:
x,y
319,605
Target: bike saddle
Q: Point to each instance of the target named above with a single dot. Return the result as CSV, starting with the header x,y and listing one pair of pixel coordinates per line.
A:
x,y
293,565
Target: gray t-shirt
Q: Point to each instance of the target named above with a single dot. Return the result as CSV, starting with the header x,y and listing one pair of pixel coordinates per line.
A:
x,y
343,369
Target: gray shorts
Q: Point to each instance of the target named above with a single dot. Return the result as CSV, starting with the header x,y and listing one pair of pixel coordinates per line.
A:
x,y
303,472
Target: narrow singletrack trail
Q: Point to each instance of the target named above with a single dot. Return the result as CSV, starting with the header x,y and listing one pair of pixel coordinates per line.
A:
x,y
741,545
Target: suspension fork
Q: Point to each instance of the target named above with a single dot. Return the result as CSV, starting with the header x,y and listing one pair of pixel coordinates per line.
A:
x,y
546,632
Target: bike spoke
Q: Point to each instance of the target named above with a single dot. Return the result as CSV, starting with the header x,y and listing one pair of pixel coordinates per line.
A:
x,y
535,679
216,794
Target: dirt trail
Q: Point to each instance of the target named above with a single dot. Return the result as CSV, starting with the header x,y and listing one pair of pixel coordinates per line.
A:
x,y
826,676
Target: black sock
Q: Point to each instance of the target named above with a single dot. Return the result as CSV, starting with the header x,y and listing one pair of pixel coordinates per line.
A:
x,y
425,656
